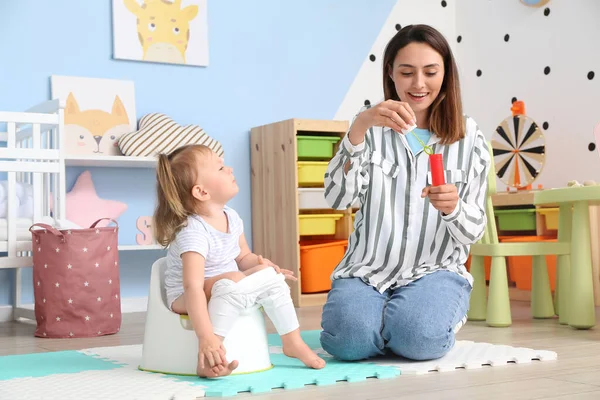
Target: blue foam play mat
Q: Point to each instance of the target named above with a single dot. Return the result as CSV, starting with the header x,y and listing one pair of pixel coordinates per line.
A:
x,y
43,364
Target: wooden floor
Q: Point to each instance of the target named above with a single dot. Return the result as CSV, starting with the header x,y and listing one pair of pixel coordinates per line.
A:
x,y
575,376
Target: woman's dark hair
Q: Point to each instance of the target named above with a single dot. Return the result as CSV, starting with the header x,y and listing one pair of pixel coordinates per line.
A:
x,y
445,116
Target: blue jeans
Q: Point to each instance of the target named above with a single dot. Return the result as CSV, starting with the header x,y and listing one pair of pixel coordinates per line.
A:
x,y
416,321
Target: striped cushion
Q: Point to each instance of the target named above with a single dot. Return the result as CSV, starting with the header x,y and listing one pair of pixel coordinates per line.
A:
x,y
158,133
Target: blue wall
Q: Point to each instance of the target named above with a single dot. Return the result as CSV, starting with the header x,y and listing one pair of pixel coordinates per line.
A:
x,y
269,60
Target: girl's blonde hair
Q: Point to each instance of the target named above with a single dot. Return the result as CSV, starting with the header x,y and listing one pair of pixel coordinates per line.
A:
x,y
176,175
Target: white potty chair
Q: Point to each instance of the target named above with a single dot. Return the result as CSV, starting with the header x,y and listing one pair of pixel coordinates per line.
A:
x,y
171,346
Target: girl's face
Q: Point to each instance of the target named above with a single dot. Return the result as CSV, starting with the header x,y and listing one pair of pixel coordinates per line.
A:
x,y
418,74
215,180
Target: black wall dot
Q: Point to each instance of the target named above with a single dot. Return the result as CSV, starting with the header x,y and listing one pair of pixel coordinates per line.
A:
x,y
372,57
478,72
398,27
546,11
459,38
506,37
592,146
444,4
591,75
545,125
546,70
367,103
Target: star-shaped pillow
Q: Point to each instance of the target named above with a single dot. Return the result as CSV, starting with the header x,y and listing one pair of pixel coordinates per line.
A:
x,y
158,133
84,207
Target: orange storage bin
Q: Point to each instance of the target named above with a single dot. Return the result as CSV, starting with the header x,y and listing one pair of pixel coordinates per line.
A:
x,y
520,267
318,259
487,263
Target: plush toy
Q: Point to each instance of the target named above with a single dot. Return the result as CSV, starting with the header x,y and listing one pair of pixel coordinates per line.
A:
x,y
23,199
160,134
84,206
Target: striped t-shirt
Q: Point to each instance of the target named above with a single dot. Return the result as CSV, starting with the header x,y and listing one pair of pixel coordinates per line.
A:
x,y
399,236
219,250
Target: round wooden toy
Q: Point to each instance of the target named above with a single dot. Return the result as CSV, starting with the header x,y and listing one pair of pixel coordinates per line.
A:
x,y
519,149
535,3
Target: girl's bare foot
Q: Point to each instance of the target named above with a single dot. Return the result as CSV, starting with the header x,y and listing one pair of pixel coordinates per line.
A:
x,y
216,371
294,346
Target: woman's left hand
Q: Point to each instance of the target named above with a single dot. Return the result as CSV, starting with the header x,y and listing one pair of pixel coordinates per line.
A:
x,y
443,198
286,272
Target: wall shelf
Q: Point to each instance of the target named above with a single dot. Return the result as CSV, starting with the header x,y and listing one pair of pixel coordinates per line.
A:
x,y
110,161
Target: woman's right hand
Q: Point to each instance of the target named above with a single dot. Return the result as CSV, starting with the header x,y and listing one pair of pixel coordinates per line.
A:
x,y
397,115
211,348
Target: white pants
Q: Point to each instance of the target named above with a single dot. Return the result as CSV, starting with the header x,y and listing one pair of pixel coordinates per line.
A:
x,y
265,287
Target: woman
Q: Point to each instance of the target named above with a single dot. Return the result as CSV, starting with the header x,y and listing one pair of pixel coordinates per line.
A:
x,y
402,284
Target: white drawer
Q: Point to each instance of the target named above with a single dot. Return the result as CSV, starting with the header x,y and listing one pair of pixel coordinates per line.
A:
x,y
312,199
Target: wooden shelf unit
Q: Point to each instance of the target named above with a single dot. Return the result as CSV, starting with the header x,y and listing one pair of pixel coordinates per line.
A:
x,y
275,210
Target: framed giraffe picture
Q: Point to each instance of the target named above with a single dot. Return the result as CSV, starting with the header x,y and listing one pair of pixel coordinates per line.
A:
x,y
162,31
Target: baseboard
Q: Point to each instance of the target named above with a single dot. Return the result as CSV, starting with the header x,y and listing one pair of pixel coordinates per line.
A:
x,y
128,305
6,313
519,294
134,304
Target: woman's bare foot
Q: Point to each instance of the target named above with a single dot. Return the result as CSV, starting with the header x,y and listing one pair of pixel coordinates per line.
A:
x,y
294,346
216,371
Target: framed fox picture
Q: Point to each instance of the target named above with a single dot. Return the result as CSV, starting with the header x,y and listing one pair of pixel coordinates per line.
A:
x,y
97,113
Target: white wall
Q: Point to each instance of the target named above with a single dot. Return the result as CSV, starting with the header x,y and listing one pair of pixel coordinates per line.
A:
x,y
368,82
566,40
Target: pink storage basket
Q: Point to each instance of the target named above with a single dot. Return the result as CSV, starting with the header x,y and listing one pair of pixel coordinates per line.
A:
x,y
76,281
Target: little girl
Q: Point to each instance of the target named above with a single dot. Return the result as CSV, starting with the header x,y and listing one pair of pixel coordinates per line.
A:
x,y
208,260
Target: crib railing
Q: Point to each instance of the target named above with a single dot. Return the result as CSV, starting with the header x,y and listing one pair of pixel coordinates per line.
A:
x,y
34,155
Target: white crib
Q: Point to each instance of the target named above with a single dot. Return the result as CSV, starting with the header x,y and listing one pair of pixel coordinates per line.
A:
x,y
34,158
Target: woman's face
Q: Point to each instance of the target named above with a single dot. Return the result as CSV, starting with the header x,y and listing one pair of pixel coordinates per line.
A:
x,y
418,74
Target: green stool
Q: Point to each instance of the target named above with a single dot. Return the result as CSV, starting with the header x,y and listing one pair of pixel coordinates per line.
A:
x,y
495,310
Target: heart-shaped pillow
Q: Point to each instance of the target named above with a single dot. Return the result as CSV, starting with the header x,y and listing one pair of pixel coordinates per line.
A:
x,y
158,133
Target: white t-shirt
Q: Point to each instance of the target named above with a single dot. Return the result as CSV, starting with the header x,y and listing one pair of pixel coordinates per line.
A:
x,y
219,249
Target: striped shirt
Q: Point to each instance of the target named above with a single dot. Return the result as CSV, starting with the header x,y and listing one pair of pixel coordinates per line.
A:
x,y
219,250
399,236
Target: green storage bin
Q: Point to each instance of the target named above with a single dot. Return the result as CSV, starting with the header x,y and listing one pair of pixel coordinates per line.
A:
x,y
316,147
516,219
